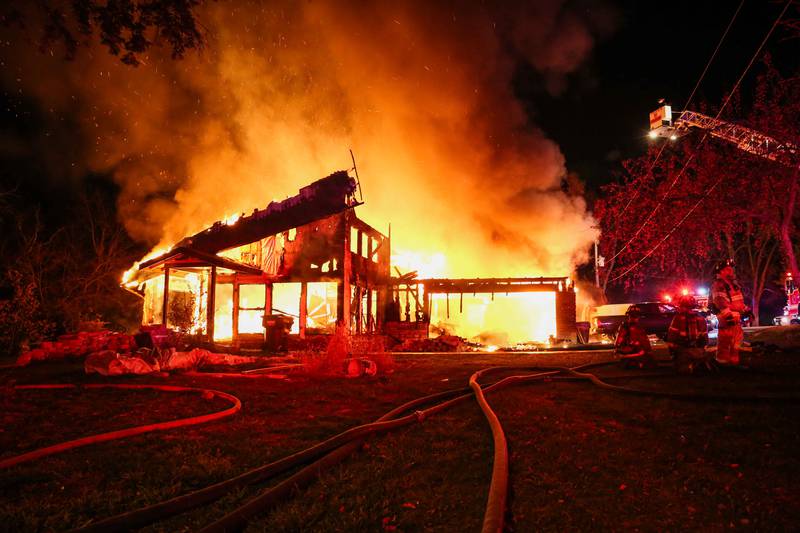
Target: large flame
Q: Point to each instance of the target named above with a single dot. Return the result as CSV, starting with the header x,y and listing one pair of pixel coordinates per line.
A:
x,y
501,319
421,91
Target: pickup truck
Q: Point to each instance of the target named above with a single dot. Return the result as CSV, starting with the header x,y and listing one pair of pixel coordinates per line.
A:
x,y
654,318
606,319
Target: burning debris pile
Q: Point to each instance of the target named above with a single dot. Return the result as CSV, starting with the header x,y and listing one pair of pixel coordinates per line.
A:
x,y
77,345
113,354
442,343
147,361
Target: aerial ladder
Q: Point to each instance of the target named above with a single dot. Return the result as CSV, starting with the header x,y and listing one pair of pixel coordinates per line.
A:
x,y
664,125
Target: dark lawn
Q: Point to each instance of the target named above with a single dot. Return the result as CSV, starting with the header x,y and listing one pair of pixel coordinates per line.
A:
x,y
581,458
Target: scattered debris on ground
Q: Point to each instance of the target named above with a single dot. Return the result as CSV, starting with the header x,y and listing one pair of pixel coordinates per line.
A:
x,y
147,361
78,345
443,343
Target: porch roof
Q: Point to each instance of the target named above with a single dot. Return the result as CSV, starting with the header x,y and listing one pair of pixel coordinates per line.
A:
x,y
183,256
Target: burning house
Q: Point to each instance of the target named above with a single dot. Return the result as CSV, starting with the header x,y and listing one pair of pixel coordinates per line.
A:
x,y
311,262
308,257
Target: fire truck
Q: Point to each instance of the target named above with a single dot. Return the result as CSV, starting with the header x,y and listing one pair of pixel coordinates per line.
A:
x,y
790,311
663,124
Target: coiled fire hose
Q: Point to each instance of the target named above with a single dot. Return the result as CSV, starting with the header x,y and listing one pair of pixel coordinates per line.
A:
x,y
350,440
238,518
498,489
128,432
341,445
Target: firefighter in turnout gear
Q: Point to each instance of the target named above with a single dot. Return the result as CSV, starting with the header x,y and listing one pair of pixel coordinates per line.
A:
x,y
687,338
727,303
632,344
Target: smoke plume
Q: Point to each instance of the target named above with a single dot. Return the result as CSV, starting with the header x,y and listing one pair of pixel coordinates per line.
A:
x,y
421,91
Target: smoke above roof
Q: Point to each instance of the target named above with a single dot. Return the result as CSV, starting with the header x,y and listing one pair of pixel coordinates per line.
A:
x,y
421,91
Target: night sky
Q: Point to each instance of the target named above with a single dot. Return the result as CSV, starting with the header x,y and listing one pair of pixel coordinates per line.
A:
x,y
594,109
658,51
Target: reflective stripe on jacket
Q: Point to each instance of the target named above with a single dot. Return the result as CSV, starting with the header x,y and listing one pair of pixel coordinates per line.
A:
x,y
688,329
729,300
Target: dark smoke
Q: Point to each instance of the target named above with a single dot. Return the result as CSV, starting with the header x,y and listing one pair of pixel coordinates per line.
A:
x,y
421,91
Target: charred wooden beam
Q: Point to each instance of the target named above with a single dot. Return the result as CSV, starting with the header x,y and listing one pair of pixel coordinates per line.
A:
x,y
212,290
494,285
303,308
181,256
165,300
325,197
343,290
235,318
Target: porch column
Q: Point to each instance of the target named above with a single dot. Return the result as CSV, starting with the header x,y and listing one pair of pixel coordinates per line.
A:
x,y
212,292
343,303
303,308
370,324
165,300
267,304
235,333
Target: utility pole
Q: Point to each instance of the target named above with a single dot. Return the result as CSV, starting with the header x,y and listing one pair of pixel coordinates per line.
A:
x,y
596,266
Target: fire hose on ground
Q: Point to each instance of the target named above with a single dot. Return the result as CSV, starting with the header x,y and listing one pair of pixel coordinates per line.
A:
x,y
340,446
493,517
128,432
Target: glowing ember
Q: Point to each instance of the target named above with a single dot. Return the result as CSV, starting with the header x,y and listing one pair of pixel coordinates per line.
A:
x,y
230,220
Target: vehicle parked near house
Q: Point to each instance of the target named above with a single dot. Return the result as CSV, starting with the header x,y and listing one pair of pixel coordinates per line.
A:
x,y
606,319
655,317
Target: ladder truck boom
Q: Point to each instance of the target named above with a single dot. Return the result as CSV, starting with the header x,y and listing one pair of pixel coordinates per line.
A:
x,y
748,140
662,124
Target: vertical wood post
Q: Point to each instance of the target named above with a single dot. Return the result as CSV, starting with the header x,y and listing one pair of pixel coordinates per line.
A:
x,y
267,304
370,324
212,293
235,332
357,302
343,304
303,308
165,300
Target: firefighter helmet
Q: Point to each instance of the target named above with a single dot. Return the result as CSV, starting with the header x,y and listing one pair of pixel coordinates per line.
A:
x,y
687,301
721,265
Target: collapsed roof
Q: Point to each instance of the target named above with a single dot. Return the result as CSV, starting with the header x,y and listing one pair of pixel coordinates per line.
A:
x,y
327,196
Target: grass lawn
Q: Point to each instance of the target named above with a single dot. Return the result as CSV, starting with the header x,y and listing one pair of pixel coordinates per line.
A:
x,y
582,458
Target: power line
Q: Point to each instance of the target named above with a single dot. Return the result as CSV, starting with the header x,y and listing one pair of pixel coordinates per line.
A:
x,y
719,179
713,55
663,146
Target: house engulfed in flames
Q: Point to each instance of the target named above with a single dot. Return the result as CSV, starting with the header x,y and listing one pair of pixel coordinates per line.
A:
x,y
311,258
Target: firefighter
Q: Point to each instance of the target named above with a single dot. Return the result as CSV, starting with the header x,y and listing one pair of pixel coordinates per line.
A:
x,y
687,337
632,344
728,304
